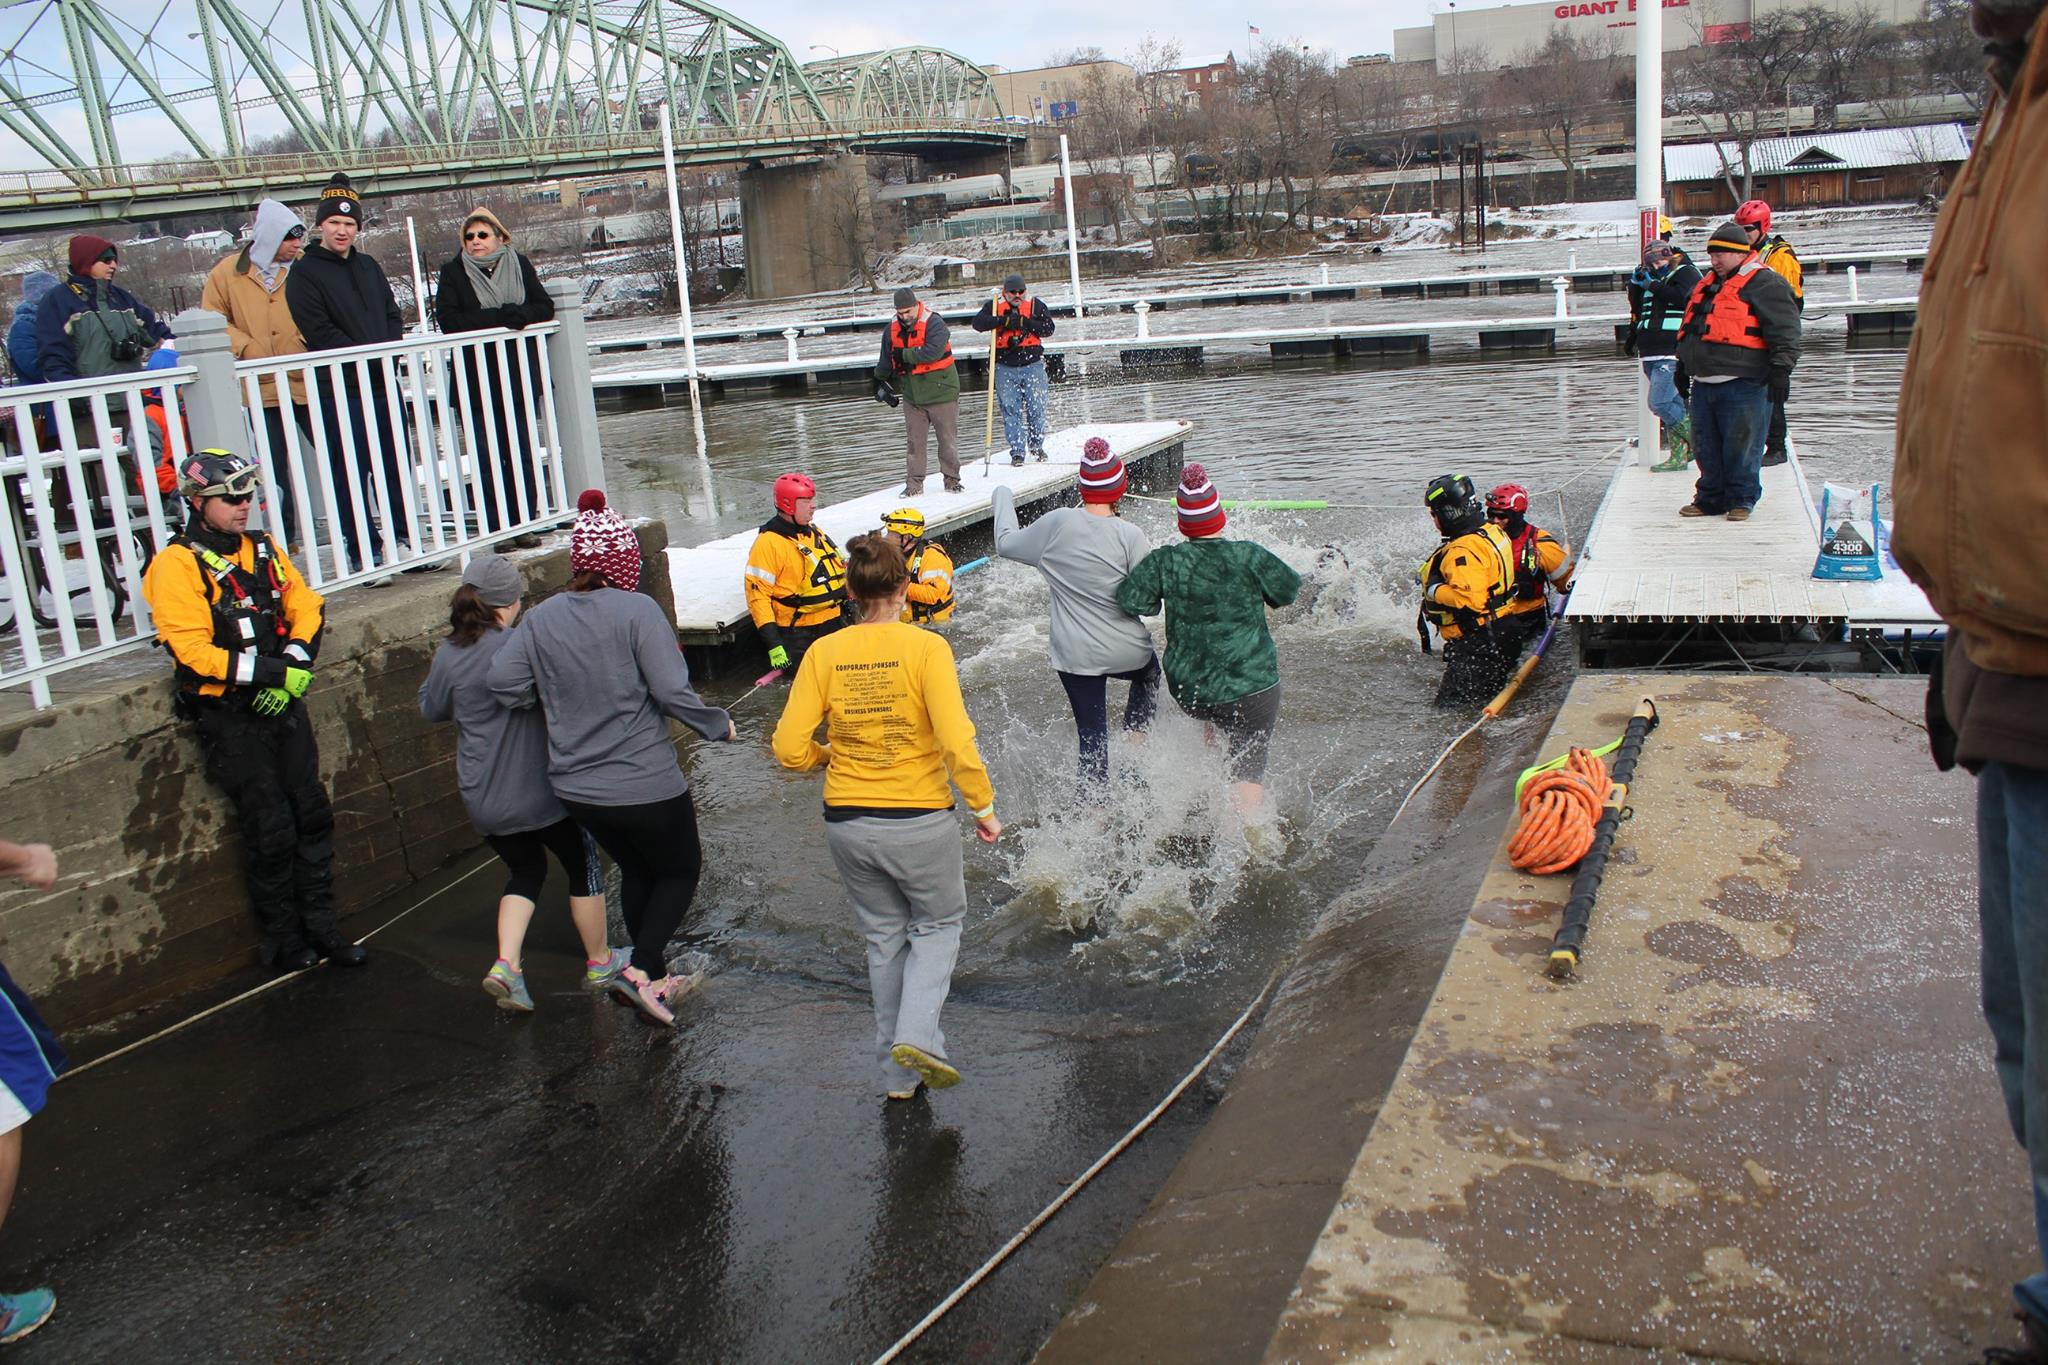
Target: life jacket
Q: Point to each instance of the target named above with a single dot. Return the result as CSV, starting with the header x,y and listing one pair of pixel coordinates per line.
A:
x,y
1453,622
928,613
1778,254
914,338
1719,315
1531,583
1018,341
824,574
247,604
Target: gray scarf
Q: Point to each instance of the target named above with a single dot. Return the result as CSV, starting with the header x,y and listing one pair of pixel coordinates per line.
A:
x,y
496,279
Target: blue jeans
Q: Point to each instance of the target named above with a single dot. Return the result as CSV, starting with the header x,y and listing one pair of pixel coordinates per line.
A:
x,y
1020,393
1729,423
2012,906
1662,372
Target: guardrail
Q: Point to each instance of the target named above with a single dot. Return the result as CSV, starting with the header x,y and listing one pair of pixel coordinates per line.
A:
x,y
373,460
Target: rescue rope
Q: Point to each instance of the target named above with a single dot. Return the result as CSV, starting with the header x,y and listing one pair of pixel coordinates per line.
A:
x,y
1576,921
1045,1214
267,986
1558,810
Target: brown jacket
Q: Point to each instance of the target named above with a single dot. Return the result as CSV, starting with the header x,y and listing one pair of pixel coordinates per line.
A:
x,y
1970,480
259,322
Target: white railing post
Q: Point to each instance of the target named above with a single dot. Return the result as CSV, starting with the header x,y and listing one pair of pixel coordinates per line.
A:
x,y
1572,257
1144,312
1562,285
1854,297
575,400
789,336
213,400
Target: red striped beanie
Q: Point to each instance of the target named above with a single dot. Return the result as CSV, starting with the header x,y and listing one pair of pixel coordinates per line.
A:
x,y
1102,473
1201,507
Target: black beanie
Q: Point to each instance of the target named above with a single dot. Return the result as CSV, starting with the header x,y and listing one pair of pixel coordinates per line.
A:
x,y
339,198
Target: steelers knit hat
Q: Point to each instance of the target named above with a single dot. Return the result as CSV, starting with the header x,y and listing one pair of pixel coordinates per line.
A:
x,y
338,198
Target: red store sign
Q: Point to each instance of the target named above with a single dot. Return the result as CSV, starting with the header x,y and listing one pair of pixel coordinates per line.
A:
x,y
1591,9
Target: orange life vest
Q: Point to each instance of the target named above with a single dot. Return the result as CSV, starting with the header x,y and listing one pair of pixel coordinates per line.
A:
x,y
1719,315
910,341
1008,340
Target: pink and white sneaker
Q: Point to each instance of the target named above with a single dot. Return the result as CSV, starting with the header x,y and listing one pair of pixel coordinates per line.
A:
x,y
649,997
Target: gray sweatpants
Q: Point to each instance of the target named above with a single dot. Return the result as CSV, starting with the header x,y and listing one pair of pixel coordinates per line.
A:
x,y
906,882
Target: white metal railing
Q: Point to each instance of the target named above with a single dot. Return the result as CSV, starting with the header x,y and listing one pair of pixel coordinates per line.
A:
x,y
384,457
373,459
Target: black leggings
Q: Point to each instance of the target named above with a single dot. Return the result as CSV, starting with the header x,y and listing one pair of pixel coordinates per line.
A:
x,y
525,854
1089,696
655,846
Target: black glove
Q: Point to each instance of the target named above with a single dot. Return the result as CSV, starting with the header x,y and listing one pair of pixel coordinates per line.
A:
x,y
508,316
1779,385
1941,736
1682,382
885,393
1628,345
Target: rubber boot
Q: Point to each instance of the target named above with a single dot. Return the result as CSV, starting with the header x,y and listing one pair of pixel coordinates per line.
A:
x,y
1681,450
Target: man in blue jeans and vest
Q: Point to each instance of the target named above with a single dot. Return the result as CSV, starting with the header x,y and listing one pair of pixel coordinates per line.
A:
x,y
1736,350
1021,324
1970,497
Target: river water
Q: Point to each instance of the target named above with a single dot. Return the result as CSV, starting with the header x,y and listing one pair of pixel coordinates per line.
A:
x,y
1109,941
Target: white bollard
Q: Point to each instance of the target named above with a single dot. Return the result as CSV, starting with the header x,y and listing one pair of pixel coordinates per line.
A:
x,y
789,336
1562,285
1852,285
1326,274
1143,310
1572,259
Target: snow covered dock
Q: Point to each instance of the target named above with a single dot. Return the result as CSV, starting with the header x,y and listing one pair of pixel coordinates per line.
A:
x,y
711,605
1653,586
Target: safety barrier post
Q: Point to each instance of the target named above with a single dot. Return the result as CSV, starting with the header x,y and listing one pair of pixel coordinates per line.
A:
x,y
789,336
575,398
1562,285
1853,295
213,401
1143,310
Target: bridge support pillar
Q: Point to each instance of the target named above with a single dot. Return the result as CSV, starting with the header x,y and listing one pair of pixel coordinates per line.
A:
x,y
805,226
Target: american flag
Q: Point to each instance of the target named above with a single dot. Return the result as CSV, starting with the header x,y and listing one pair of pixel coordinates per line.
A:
x,y
1252,29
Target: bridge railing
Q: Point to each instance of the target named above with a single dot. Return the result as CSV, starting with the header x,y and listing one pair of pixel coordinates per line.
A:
x,y
300,170
373,460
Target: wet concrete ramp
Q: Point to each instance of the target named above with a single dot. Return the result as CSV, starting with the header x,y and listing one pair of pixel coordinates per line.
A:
x,y
1761,1125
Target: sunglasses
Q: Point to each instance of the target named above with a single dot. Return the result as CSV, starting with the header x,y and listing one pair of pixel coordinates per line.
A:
x,y
480,235
236,499
107,258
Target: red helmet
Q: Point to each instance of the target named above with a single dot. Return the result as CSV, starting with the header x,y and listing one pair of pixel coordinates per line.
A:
x,y
1754,213
789,488
1509,497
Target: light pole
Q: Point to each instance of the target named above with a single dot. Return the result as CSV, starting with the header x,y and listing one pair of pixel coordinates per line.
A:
x,y
826,47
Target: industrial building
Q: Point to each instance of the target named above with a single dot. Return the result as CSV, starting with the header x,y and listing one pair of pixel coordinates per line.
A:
x,y
1816,170
1485,39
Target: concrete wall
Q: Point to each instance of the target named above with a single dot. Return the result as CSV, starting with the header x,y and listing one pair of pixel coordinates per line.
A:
x,y
150,899
793,225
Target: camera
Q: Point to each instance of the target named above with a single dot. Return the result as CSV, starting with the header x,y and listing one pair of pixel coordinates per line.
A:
x,y
127,350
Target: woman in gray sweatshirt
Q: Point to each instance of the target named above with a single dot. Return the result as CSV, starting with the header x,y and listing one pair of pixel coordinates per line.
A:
x,y
602,662
1084,553
501,767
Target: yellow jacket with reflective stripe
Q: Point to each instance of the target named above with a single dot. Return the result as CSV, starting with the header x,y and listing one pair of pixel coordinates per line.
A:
x,y
1470,576
931,586
1779,256
795,576
1550,562
181,592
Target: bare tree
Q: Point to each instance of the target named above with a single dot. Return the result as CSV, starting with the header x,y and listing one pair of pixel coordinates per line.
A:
x,y
1846,49
1558,86
1948,53
1751,68
1111,132
1295,93
1074,56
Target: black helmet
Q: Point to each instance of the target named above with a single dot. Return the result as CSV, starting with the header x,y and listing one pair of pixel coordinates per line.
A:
x,y
215,473
1454,502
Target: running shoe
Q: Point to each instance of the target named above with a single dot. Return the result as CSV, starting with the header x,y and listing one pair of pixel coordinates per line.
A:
x,y
938,1073
599,975
22,1313
909,1094
649,997
508,987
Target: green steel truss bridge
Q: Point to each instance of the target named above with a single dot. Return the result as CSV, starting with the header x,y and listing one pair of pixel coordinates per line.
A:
x,y
114,109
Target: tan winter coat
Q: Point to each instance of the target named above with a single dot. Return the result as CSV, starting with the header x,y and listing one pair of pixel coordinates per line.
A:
x,y
259,322
1970,482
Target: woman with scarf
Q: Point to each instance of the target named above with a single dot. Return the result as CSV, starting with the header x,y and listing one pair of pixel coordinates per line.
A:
x,y
488,284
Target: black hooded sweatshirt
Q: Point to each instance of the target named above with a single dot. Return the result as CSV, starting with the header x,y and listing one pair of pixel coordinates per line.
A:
x,y
341,300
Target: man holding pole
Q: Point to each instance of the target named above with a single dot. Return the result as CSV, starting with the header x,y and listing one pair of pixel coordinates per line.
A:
x,y
917,362
1021,324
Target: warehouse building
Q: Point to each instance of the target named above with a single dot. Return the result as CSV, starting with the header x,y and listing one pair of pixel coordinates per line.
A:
x,y
1485,39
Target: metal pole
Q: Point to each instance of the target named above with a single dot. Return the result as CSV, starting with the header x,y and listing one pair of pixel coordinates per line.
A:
x,y
675,223
419,281
1073,251
1649,180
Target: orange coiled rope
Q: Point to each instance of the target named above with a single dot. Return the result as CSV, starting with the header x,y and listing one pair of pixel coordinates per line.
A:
x,y
1559,810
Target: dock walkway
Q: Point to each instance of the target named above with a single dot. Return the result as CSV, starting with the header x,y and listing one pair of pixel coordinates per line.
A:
x,y
707,579
1761,1125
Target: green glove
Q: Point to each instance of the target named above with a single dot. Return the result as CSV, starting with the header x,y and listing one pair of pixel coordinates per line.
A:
x,y
271,701
296,681
778,657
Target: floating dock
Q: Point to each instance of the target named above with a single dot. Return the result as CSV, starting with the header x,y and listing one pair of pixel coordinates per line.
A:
x,y
1655,590
1762,1122
707,579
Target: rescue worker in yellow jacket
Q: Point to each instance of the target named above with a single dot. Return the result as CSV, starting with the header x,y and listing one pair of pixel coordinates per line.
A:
x,y
243,630
1542,563
1777,254
931,569
1466,584
796,577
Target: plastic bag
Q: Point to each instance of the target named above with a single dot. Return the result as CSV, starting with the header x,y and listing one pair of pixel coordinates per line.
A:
x,y
1850,537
